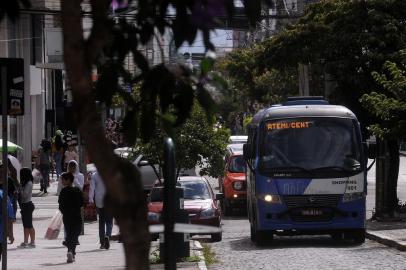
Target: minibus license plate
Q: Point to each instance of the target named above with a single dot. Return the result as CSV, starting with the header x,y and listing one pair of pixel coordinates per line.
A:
x,y
312,212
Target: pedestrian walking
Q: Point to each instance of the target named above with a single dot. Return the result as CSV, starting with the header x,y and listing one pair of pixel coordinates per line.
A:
x,y
44,163
71,154
96,195
10,215
79,178
70,203
58,151
27,207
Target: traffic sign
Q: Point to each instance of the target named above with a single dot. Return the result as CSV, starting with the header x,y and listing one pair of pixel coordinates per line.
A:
x,y
15,85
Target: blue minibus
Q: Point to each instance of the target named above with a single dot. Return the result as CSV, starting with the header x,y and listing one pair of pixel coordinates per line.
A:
x,y
306,171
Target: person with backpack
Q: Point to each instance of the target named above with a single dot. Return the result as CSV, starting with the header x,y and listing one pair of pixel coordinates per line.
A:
x,y
44,165
70,203
27,207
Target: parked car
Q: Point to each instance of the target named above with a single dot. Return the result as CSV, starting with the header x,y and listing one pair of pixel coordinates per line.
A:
x,y
148,172
233,182
199,201
149,175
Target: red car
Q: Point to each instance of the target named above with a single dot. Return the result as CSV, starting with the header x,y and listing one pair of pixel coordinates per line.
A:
x,y
199,201
233,183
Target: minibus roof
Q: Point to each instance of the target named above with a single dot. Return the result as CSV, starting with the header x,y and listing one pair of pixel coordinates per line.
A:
x,y
294,111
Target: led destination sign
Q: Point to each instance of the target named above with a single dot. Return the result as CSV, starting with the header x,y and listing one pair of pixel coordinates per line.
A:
x,y
287,125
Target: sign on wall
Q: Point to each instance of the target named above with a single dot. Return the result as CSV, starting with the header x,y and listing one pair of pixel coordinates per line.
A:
x,y
15,85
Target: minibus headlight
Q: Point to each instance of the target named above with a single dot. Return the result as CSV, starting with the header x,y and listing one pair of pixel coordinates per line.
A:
x,y
270,198
349,197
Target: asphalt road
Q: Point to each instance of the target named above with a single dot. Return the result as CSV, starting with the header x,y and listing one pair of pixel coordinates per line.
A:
x,y
236,251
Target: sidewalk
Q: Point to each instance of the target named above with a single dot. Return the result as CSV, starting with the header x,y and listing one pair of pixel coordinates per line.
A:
x,y
392,234
51,254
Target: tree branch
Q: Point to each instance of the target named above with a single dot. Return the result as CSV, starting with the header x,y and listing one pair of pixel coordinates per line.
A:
x,y
100,30
125,197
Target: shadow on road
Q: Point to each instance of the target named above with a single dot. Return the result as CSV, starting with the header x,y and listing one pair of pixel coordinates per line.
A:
x,y
246,244
237,214
53,264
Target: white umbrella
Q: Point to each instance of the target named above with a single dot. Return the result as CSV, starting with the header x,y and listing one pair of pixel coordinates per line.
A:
x,y
11,147
16,164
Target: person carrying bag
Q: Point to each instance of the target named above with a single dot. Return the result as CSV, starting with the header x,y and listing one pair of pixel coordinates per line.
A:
x,y
54,227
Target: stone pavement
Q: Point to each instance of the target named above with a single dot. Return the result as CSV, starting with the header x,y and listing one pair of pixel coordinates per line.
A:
x,y
389,233
51,254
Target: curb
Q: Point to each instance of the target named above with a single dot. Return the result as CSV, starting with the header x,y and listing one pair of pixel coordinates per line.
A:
x,y
386,241
198,250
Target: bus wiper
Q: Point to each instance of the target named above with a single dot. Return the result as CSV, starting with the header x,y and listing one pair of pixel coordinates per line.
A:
x,y
337,168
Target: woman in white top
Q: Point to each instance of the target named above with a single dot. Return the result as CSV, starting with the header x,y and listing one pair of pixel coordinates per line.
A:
x,y
27,207
79,179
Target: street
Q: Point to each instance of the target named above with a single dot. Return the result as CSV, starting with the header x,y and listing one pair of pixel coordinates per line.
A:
x,y
236,251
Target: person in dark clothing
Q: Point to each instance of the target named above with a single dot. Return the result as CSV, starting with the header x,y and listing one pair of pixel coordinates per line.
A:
x,y
45,163
70,202
12,194
27,207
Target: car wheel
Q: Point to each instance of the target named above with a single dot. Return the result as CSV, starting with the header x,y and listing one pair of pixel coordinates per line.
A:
x,y
216,237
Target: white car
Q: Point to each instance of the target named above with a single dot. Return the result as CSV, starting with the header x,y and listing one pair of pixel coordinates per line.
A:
x,y
238,139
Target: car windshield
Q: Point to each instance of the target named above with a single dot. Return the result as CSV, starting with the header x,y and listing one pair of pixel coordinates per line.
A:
x,y
237,165
195,190
310,145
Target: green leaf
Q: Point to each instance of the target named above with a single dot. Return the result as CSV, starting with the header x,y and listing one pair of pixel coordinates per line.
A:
x,y
207,65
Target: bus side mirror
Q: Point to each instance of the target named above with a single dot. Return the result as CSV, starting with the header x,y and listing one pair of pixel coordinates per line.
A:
x,y
247,151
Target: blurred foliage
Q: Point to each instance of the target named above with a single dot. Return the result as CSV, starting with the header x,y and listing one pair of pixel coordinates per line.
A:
x,y
389,107
249,83
347,40
197,143
167,92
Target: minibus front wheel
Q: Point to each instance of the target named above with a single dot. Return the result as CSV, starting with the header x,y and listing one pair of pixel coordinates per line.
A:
x,y
357,235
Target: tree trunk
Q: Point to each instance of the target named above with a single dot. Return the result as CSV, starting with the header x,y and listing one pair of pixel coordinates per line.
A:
x,y
125,198
393,151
